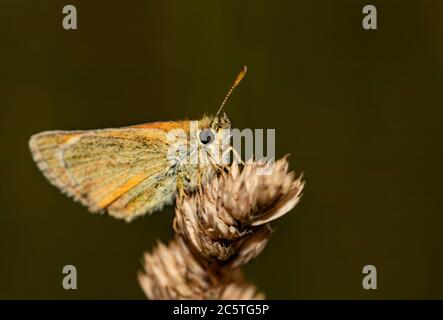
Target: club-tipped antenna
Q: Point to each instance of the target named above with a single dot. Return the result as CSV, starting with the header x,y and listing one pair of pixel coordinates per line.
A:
x,y
237,80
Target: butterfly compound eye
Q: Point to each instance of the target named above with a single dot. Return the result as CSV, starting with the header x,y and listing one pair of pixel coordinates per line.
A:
x,y
206,136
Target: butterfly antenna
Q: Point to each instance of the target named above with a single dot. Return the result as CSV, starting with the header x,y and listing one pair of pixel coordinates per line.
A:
x,y
237,80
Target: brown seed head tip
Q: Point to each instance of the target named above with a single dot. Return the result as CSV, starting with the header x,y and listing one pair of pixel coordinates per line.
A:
x,y
219,218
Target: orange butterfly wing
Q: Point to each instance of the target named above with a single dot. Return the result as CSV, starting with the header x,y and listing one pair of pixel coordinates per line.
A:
x,y
125,170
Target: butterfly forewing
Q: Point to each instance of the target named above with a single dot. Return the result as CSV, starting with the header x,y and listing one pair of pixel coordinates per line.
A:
x,y
123,170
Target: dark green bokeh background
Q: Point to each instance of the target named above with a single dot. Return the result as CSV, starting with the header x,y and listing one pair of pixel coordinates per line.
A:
x,y
359,111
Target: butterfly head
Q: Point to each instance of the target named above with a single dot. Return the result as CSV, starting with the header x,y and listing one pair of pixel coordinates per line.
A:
x,y
212,129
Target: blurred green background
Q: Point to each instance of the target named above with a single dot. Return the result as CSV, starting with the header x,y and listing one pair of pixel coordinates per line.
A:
x,y
359,111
